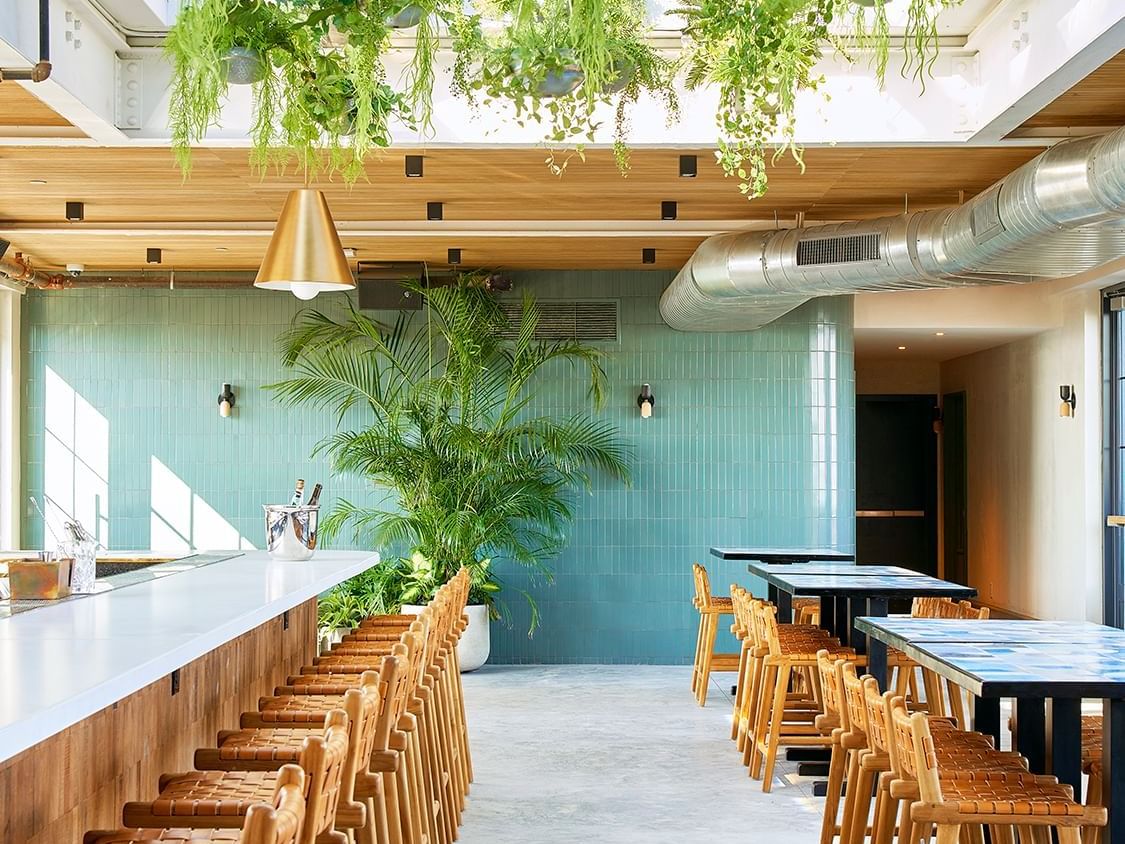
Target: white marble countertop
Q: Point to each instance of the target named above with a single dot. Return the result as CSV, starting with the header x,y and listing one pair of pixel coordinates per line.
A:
x,y
64,662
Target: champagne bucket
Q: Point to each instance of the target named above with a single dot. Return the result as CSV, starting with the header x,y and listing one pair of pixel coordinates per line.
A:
x,y
290,531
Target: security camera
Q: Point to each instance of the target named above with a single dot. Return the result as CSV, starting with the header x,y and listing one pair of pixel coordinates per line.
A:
x,y
75,270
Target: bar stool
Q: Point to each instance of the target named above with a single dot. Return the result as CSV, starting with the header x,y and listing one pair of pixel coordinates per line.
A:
x,y
221,798
777,724
710,609
232,778
279,821
951,799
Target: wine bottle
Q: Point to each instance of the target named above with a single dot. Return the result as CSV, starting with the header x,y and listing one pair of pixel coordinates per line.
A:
x,y
314,499
298,493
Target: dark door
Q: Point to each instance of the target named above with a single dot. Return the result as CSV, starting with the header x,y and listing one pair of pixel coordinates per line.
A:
x,y
955,489
896,481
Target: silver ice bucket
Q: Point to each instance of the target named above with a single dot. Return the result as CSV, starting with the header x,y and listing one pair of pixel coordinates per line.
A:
x,y
290,531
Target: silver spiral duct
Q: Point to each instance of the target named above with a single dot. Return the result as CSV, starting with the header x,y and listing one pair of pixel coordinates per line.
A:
x,y
1061,213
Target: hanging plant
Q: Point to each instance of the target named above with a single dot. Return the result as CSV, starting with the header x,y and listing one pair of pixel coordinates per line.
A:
x,y
762,56
558,62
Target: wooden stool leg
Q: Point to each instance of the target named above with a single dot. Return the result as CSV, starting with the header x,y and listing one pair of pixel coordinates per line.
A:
x,y
1069,835
836,765
712,628
862,806
884,832
780,692
740,690
957,704
849,797
761,719
948,833
697,665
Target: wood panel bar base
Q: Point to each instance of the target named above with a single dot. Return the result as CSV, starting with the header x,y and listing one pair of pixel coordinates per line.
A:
x,y
78,779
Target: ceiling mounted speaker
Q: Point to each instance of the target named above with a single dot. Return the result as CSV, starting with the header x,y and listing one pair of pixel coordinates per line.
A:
x,y
305,256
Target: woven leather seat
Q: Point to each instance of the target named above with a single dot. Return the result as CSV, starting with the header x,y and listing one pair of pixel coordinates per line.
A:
x,y
214,793
278,819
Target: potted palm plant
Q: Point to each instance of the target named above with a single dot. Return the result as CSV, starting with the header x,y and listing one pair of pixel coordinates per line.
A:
x,y
462,469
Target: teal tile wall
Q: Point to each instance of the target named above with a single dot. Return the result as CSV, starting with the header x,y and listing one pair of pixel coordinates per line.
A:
x,y
752,442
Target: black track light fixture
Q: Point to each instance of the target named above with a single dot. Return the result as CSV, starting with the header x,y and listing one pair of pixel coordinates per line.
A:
x,y
434,211
689,166
75,211
454,256
668,210
648,255
414,166
153,256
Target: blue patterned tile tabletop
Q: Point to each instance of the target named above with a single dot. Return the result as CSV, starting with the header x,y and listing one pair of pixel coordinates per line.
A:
x,y
1041,669
868,586
898,631
762,569
787,555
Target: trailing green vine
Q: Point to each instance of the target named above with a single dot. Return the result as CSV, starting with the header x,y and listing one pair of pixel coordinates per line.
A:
x,y
322,96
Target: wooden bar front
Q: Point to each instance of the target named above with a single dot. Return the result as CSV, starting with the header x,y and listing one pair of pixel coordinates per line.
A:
x,y
79,779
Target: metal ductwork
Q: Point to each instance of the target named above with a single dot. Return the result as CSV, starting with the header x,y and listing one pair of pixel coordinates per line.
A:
x,y
1061,213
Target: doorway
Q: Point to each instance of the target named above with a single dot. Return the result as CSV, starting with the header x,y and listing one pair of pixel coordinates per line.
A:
x,y
896,481
955,489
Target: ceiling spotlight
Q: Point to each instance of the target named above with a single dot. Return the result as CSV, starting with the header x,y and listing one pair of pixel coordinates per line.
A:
x,y
414,166
939,333
454,256
689,166
648,255
349,252
37,181
667,210
75,211
902,348
152,256
434,211
222,249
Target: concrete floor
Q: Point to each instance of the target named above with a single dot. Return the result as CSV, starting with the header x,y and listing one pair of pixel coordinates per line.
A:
x,y
617,755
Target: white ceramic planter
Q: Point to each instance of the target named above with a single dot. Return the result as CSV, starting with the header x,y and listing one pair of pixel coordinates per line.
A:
x,y
328,638
476,641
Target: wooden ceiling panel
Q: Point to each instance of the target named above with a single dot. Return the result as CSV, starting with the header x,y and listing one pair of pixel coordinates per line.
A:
x,y
20,108
136,188
1096,101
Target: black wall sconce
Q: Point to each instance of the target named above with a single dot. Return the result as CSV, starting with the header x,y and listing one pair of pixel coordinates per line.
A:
x,y
226,401
1069,399
153,256
434,211
75,212
414,166
689,166
648,255
453,256
645,401
668,210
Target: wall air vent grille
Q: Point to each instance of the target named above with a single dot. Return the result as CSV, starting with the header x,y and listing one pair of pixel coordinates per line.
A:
x,y
844,249
593,320
985,221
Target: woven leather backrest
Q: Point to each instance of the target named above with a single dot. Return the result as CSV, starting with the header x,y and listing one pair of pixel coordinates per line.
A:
x,y
323,760
829,684
854,698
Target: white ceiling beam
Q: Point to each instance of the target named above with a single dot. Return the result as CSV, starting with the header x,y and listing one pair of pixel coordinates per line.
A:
x,y
81,87
1031,51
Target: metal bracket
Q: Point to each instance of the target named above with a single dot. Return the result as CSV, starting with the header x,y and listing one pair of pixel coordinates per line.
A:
x,y
128,76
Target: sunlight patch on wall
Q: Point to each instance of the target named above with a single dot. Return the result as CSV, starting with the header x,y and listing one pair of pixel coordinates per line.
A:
x,y
182,522
75,459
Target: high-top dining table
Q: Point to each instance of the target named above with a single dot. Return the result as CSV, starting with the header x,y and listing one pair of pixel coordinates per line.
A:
x,y
1048,667
857,592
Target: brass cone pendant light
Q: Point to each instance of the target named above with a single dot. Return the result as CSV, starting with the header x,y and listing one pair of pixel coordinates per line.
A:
x,y
305,256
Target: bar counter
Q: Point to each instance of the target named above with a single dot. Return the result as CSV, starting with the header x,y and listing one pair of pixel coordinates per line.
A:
x,y
115,688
